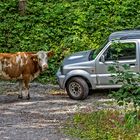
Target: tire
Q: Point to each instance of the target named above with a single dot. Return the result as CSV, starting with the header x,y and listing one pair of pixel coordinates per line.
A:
x,y
77,88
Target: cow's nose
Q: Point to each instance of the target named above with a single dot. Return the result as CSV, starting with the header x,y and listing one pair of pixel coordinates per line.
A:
x,y
45,66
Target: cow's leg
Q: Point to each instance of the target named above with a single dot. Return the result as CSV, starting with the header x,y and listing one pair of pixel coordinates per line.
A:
x,y
26,82
20,96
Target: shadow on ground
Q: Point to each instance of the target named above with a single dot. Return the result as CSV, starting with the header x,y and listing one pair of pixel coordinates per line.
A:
x,y
41,117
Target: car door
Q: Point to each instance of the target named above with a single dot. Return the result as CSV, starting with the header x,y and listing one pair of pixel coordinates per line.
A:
x,y
127,54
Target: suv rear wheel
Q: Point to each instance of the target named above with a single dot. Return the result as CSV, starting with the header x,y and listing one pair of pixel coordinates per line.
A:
x,y
77,88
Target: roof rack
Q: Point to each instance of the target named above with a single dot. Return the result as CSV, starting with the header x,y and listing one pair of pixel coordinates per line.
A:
x,y
125,34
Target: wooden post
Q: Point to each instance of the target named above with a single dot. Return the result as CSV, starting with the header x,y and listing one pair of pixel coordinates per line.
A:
x,y
22,7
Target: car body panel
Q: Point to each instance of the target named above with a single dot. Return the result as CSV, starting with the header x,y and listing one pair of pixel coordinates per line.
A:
x,y
92,69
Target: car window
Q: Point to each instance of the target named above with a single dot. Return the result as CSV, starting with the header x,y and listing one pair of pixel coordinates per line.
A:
x,y
96,51
121,51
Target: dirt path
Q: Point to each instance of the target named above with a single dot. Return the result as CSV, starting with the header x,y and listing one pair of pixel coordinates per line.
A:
x,y
42,117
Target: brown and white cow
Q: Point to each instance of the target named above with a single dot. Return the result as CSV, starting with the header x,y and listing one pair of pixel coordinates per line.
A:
x,y
23,66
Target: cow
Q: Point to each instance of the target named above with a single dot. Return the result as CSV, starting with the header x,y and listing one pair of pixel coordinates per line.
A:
x,y
24,67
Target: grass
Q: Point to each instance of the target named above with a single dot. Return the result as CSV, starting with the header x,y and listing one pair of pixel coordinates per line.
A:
x,y
105,125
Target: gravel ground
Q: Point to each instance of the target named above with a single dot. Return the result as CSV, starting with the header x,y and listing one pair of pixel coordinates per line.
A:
x,y
43,116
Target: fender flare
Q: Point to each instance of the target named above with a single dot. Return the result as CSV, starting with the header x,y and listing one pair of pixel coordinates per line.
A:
x,y
79,73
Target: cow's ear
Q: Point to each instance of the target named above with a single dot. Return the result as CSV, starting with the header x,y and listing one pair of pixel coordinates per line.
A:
x,y
50,53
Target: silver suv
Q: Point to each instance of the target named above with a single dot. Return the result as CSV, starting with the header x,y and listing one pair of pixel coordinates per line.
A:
x,y
87,70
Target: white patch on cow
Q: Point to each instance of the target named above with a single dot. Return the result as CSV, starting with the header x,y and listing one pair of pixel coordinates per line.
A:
x,y
5,60
4,75
18,59
0,66
0,69
35,75
25,56
5,65
43,59
21,63
10,65
20,77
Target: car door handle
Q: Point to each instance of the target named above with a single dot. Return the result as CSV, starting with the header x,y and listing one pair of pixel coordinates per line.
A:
x,y
131,64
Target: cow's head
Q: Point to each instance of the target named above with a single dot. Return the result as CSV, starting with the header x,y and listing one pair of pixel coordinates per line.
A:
x,y
43,59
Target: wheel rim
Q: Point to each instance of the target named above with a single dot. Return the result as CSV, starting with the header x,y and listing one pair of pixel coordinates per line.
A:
x,y
75,89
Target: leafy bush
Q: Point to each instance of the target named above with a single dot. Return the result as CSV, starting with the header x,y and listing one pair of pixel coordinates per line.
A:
x,y
122,74
130,90
129,94
63,26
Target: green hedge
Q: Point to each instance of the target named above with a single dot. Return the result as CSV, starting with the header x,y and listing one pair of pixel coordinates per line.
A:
x,y
64,26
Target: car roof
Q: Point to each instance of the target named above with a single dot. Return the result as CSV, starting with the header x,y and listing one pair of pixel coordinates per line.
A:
x,y
125,34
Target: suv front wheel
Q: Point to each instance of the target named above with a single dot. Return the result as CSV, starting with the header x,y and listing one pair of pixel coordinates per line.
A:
x,y
77,88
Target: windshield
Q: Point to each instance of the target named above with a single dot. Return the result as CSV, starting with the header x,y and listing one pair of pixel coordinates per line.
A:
x,y
96,51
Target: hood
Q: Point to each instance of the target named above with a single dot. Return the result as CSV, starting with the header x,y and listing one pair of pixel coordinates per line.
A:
x,y
77,57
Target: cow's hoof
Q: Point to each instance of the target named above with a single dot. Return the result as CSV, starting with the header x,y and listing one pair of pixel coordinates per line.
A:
x,y
28,97
20,97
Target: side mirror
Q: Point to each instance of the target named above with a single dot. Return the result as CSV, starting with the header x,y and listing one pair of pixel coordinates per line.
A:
x,y
102,59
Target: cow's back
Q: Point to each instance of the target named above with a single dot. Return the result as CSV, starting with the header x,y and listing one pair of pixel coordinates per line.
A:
x,y
16,65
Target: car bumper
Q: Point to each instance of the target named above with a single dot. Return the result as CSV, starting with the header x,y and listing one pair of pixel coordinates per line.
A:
x,y
60,79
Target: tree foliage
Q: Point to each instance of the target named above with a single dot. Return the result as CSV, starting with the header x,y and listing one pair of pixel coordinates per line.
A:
x,y
64,26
